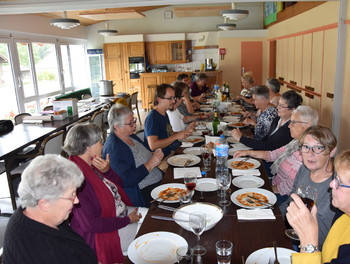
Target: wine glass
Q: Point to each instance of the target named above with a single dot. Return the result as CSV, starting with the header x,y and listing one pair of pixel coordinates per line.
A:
x,y
206,156
223,181
308,195
190,180
198,222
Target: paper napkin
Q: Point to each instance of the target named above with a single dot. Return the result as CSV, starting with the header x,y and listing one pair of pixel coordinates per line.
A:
x,y
180,172
254,172
257,214
186,144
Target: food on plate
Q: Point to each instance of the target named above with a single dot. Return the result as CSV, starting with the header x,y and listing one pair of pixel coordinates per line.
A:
x,y
193,140
238,124
239,165
61,112
235,113
171,193
242,198
210,145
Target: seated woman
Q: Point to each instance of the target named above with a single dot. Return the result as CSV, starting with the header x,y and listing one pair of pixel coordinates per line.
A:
x,y
287,159
317,147
336,248
38,231
199,87
274,86
247,82
279,134
267,112
130,157
177,120
102,218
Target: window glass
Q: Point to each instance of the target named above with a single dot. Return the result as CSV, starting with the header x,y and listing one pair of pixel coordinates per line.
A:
x,y
65,65
79,69
25,68
31,108
8,102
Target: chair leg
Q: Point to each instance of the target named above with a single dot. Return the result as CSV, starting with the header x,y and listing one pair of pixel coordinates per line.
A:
x,y
12,192
138,114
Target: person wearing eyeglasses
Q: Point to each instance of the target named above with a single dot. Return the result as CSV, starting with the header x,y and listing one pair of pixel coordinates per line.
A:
x,y
287,159
336,248
158,131
131,158
317,146
279,133
38,231
105,217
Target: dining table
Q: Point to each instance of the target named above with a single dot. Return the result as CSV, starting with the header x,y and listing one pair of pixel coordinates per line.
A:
x,y
247,236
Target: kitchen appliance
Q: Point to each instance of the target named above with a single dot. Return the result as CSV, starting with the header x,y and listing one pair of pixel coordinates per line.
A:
x,y
160,68
136,66
209,66
106,88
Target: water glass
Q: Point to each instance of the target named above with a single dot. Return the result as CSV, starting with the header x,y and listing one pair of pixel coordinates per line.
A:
x,y
184,255
223,251
206,156
185,197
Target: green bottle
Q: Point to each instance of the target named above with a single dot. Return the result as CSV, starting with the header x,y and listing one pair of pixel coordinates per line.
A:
x,y
216,123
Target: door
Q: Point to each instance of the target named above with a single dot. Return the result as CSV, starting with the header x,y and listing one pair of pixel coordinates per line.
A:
x,y
272,59
251,59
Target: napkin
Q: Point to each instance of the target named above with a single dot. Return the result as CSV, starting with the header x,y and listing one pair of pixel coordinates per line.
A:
x,y
239,146
186,144
256,214
254,172
180,172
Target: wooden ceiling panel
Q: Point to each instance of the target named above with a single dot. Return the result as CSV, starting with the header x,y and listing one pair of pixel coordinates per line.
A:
x,y
199,11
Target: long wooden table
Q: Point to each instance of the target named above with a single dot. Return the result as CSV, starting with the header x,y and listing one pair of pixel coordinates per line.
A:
x,y
247,236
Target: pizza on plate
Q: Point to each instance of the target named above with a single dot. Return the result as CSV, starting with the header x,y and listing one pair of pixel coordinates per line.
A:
x,y
171,193
238,124
193,140
239,165
242,198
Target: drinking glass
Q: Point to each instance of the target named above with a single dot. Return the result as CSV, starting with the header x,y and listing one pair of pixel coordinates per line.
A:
x,y
185,197
309,195
184,255
190,180
223,181
223,251
198,222
206,156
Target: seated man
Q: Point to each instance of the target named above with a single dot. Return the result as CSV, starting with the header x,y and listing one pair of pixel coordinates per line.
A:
x,y
158,132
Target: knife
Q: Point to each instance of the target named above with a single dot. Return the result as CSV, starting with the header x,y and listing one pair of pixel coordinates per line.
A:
x,y
265,203
168,218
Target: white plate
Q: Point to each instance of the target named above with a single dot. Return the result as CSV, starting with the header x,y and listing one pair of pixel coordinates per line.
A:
x,y
155,192
193,139
233,124
263,255
206,185
248,182
254,161
193,151
156,247
212,212
231,119
271,197
180,160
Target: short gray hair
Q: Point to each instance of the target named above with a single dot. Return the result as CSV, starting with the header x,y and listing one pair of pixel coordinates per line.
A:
x,y
200,77
261,91
117,114
48,177
80,137
307,114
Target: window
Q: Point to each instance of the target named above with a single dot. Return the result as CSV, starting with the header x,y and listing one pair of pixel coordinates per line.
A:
x,y
66,67
79,69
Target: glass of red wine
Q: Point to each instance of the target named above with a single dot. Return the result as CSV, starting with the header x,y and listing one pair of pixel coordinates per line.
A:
x,y
190,180
308,195
206,156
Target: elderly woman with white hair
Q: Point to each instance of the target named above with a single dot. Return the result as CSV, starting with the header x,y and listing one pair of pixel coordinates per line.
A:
x,y
287,159
102,217
38,231
131,158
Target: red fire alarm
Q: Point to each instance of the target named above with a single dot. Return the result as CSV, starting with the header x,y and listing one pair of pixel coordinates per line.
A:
x,y
222,53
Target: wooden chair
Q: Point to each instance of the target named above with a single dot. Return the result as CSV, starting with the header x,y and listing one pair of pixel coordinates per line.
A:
x,y
48,108
150,96
97,119
19,118
50,145
134,105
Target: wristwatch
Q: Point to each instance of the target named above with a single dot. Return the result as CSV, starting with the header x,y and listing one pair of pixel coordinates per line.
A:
x,y
309,248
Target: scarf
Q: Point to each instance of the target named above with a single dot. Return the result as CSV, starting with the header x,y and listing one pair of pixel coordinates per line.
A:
x,y
108,248
291,147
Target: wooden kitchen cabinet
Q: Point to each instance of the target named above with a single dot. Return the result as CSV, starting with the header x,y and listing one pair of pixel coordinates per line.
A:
x,y
136,49
168,52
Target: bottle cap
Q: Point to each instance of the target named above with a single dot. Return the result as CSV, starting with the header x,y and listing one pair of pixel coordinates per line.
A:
x,y
222,136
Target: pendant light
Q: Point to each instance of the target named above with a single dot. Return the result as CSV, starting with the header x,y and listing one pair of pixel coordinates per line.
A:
x,y
234,14
226,25
107,32
65,23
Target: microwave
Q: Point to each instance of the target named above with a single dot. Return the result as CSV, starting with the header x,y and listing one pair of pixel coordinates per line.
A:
x,y
136,66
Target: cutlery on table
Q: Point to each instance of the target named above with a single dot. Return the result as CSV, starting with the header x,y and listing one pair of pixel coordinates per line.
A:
x,y
188,162
265,203
168,218
172,209
242,161
275,249
162,199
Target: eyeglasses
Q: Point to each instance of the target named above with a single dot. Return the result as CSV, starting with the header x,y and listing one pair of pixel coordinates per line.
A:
x,y
293,122
282,106
337,183
133,122
72,199
180,97
315,149
170,98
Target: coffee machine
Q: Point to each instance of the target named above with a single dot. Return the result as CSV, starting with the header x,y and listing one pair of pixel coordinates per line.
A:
x,y
209,64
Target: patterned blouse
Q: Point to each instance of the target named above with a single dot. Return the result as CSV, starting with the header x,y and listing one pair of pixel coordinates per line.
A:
x,y
263,122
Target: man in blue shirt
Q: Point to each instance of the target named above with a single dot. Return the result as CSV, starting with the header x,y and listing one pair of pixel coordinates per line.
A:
x,y
158,132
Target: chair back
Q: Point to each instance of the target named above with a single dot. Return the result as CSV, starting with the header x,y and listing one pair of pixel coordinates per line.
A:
x,y
133,102
128,102
53,143
19,118
97,119
140,133
85,96
48,108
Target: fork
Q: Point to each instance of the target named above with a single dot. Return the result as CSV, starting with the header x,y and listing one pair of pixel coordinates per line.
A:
x,y
275,249
252,202
242,161
162,199
188,162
